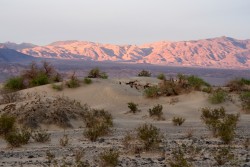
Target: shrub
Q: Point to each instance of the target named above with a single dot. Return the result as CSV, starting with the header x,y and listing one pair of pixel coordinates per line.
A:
x,y
152,92
221,124
96,131
156,111
10,97
39,79
73,82
161,76
238,84
178,159
17,138
96,73
178,121
245,101
144,73
149,135
57,87
64,141
133,107
109,158
14,84
218,96
7,124
207,89
87,81
41,136
223,156
196,82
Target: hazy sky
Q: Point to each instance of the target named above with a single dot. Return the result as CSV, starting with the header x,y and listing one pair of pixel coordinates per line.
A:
x,y
122,21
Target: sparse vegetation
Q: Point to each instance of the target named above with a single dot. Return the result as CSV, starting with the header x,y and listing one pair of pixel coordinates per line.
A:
x,y
64,141
14,84
7,124
161,76
9,96
223,155
87,81
58,87
156,111
218,96
144,73
178,121
152,92
221,124
149,135
73,82
16,138
245,101
40,136
96,73
178,159
109,158
238,85
133,107
196,82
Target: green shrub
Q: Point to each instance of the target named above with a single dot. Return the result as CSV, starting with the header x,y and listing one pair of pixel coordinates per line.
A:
x,y
221,124
87,81
39,79
178,121
7,124
144,73
161,76
96,73
41,136
73,82
207,89
149,135
152,92
238,84
245,101
178,159
57,87
15,83
133,107
109,158
196,82
156,111
218,96
223,156
18,138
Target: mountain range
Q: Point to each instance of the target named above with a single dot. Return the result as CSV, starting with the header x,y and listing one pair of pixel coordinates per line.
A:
x,y
221,52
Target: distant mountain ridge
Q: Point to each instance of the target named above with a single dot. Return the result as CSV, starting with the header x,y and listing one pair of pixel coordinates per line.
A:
x,y
221,52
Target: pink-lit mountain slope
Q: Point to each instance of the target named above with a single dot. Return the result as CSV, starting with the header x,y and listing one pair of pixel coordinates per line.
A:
x,y
222,52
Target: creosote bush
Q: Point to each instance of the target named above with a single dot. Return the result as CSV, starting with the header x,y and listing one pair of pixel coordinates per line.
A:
x,y
196,82
218,96
109,158
133,107
144,73
149,135
223,155
178,121
152,92
73,82
17,138
14,84
96,73
178,159
40,136
156,111
161,76
87,81
7,124
221,124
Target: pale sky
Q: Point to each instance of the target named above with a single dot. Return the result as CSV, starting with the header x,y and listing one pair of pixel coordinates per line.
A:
x,y
122,21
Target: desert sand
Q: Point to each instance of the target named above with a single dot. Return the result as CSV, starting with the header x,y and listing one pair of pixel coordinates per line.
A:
x,y
113,96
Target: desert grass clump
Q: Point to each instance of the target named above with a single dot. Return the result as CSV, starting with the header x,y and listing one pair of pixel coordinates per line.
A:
x,y
223,155
57,87
87,81
109,158
218,96
7,124
196,82
17,138
161,76
39,79
14,84
178,121
96,73
152,92
178,159
144,73
64,140
41,136
149,135
221,124
133,107
73,82
245,101
156,112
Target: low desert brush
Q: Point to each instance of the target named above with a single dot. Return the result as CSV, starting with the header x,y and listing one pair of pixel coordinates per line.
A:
x,y
218,96
7,124
245,101
178,159
223,155
144,73
161,76
152,92
87,81
133,107
156,111
41,136
109,158
17,138
64,141
57,87
178,121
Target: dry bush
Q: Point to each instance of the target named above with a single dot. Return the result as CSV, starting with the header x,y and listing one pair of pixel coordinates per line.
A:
x,y
144,73
245,101
40,136
238,85
174,100
109,158
64,141
96,73
10,97
73,81
156,112
178,159
178,121
189,133
43,110
223,155
17,138
133,107
7,124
